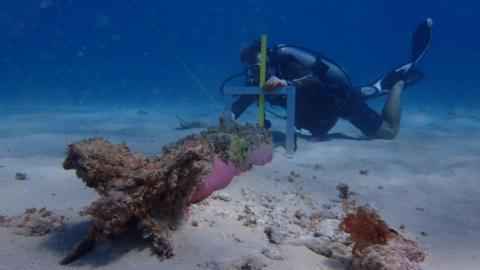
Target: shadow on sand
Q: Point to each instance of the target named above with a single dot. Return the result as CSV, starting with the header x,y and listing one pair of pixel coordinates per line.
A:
x,y
105,251
279,137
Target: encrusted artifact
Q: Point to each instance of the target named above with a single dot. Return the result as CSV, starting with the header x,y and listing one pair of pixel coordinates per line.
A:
x,y
377,246
137,193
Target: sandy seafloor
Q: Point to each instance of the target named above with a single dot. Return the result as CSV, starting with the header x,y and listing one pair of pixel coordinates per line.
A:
x,y
428,179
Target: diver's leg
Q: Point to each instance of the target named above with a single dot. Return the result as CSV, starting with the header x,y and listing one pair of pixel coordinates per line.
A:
x,y
391,113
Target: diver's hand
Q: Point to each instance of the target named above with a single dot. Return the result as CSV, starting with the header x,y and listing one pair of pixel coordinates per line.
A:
x,y
274,83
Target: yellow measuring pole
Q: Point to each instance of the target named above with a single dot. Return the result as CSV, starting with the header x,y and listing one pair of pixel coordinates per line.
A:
x,y
263,71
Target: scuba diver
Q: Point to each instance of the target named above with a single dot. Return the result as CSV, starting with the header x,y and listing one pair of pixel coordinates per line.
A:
x,y
325,92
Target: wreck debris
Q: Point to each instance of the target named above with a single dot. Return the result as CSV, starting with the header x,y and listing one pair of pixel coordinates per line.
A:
x,y
400,253
222,196
194,223
136,193
344,194
343,191
299,214
378,247
34,222
295,174
248,217
20,176
342,253
273,235
184,125
330,228
152,196
320,245
272,254
364,172
248,262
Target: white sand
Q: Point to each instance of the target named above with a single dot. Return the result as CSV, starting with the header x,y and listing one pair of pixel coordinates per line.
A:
x,y
429,179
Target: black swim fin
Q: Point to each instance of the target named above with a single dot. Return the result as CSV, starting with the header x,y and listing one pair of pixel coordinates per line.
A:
x,y
421,40
408,73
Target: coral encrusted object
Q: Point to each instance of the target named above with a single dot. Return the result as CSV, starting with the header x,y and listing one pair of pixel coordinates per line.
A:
x,y
377,246
150,196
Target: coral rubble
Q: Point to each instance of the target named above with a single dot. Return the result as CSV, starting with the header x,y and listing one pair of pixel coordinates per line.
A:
x,y
151,195
184,125
34,222
247,262
377,247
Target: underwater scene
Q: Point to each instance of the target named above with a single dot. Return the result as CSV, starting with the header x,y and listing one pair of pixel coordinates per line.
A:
x,y
217,135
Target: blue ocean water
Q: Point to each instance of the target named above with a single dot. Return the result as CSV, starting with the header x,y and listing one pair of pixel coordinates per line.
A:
x,y
107,52
122,70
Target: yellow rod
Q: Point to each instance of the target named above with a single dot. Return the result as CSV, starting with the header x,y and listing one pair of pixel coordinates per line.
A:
x,y
263,71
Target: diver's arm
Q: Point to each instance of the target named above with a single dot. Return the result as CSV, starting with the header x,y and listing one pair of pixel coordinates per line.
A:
x,y
241,104
307,79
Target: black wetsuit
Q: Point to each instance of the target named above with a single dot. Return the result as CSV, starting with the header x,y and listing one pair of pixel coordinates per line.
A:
x,y
324,92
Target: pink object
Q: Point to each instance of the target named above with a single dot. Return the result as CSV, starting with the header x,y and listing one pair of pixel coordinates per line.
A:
x,y
223,173
186,213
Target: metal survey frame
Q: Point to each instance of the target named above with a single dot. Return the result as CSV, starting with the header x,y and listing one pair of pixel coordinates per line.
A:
x,y
229,94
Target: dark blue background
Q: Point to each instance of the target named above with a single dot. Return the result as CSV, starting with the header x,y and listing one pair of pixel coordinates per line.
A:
x,y
94,52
